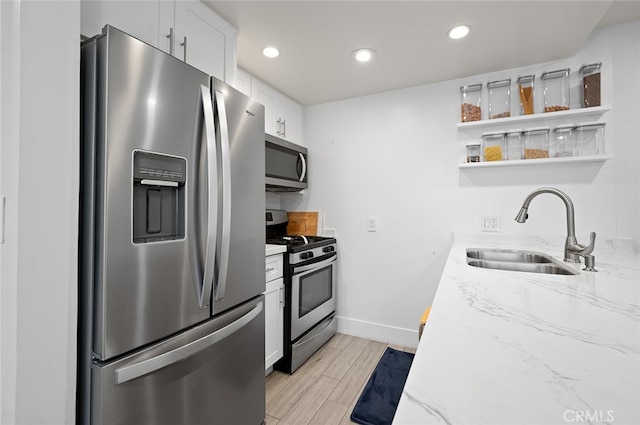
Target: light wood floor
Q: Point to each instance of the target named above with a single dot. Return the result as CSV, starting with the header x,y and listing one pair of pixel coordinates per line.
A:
x,y
325,389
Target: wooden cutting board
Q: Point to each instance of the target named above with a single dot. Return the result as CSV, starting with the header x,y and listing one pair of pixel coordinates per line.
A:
x,y
302,223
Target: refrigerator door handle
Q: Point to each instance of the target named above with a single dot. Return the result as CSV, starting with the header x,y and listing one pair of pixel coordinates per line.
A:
x,y
153,364
212,207
225,239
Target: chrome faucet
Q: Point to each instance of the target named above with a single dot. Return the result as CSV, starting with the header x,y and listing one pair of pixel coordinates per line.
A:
x,y
572,249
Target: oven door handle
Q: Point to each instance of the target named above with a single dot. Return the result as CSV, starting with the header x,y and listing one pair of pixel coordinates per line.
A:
x,y
297,270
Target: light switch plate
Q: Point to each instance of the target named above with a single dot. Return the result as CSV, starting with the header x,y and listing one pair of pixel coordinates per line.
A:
x,y
372,224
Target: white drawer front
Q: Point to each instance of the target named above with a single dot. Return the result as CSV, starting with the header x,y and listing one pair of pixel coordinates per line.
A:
x,y
274,267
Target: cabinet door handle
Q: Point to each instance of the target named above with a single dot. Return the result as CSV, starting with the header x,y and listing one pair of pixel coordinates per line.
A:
x,y
170,37
184,44
278,132
284,128
270,269
282,296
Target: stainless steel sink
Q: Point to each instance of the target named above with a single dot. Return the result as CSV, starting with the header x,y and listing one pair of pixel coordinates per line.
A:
x,y
516,260
508,255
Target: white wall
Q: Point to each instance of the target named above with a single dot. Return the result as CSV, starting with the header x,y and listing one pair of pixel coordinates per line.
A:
x,y
394,156
39,259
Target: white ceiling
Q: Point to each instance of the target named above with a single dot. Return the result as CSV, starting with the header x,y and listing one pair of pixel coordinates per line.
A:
x,y
316,39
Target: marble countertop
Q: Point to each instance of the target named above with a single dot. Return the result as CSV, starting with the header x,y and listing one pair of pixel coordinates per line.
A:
x,y
503,347
274,249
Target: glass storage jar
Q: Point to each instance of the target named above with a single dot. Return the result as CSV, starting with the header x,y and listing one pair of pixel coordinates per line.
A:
x,y
555,88
493,148
525,88
514,144
564,141
590,139
536,143
474,151
471,103
590,84
499,98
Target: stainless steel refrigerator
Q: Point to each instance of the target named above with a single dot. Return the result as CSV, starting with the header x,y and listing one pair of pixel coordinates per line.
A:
x,y
171,323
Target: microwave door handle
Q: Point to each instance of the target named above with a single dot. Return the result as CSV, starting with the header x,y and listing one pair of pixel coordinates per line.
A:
x,y
303,174
212,202
225,239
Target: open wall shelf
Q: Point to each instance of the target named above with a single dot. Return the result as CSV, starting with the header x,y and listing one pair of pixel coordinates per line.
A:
x,y
534,162
542,118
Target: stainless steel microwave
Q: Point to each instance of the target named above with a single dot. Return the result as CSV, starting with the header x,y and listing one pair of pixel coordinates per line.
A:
x,y
285,165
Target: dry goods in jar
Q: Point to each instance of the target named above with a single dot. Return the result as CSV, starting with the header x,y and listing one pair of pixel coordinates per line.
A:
x,y
501,115
591,90
470,112
555,108
535,153
493,153
526,98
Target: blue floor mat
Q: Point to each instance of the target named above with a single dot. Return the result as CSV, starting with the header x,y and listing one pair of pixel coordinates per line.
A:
x,y
379,399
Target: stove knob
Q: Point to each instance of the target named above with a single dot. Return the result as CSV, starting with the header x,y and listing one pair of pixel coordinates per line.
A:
x,y
306,255
328,249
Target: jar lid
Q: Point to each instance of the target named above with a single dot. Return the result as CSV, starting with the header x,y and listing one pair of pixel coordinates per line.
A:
x,y
473,87
471,144
498,83
555,74
565,127
585,69
493,134
514,131
526,78
537,130
591,124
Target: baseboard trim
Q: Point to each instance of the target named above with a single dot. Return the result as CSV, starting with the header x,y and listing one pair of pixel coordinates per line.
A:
x,y
378,332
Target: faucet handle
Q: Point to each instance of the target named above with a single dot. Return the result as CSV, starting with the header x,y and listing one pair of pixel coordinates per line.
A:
x,y
582,250
592,244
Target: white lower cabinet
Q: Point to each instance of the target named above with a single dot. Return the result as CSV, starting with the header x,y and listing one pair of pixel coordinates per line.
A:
x,y
274,310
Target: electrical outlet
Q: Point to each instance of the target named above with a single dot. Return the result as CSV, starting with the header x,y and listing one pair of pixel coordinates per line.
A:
x,y
372,224
490,224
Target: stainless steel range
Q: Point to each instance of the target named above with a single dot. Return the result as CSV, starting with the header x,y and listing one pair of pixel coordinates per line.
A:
x,y
310,282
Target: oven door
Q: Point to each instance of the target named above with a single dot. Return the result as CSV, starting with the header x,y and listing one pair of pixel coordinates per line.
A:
x,y
313,294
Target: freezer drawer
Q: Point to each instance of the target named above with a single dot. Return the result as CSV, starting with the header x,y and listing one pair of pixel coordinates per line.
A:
x,y
210,374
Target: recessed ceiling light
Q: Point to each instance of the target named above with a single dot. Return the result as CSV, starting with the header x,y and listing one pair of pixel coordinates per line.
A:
x,y
363,55
460,31
271,52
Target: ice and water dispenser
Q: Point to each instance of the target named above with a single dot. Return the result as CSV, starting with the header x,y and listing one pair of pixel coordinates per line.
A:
x,y
158,197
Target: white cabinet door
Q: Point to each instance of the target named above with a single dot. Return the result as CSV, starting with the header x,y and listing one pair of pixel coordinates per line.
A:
x,y
140,19
243,82
282,116
266,95
207,41
290,114
204,40
274,315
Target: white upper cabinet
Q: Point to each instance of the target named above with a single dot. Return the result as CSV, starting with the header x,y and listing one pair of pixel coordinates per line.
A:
x,y
186,29
205,40
290,115
282,116
141,19
267,96
243,81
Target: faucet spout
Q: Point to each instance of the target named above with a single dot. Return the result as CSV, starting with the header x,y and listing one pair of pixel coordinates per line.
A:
x,y
572,249
571,227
